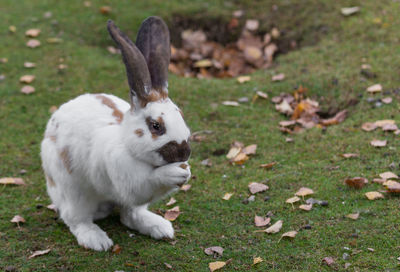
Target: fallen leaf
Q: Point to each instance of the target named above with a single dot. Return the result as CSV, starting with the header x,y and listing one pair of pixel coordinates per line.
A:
x,y
260,221
252,25
328,261
54,40
227,196
105,10
379,180
27,79
168,265
388,175
393,186
240,158
257,260
29,64
233,152
303,191
262,94
387,100
243,79
275,33
185,187
39,253
368,126
216,266
338,118
203,63
216,251
231,103
172,201
375,88
284,108
356,182
33,43
275,227
12,28
306,207
250,150
255,187
52,207
12,181
252,54
374,195
116,249
278,77
27,89
53,109
34,32
292,200
378,143
17,219
287,123
353,216
172,214
268,165
349,155
289,234
382,123
350,11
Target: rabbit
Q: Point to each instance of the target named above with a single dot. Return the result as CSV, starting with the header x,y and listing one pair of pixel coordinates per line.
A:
x,y
99,151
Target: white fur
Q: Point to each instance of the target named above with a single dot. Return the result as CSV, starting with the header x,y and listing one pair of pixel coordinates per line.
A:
x,y
111,165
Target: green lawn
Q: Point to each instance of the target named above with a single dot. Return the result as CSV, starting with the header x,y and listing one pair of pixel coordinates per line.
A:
x,y
328,65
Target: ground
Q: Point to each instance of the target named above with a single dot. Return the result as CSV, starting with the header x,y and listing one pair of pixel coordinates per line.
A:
x,y
328,64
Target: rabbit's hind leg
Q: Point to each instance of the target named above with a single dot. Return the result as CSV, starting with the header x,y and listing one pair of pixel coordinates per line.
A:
x,y
104,209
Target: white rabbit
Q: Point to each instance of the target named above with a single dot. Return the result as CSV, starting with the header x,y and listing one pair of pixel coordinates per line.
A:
x,y
100,151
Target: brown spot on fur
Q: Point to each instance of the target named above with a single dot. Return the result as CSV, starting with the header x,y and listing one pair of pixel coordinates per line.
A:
x,y
154,132
183,165
66,158
139,132
153,96
50,181
109,103
52,138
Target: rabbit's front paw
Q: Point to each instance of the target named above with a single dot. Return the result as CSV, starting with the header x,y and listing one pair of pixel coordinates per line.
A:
x,y
174,174
162,229
91,236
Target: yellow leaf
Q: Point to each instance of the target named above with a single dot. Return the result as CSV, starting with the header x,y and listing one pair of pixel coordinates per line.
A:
x,y
388,175
289,234
227,196
275,227
243,79
306,207
373,195
353,216
304,191
257,260
292,200
216,265
233,152
12,181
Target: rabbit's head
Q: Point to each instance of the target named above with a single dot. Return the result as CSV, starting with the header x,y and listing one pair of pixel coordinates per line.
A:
x,y
153,130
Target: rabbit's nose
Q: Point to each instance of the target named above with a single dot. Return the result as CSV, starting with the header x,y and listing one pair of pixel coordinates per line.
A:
x,y
174,152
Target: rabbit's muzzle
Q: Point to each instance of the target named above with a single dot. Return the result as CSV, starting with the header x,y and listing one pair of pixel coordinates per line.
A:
x,y
174,152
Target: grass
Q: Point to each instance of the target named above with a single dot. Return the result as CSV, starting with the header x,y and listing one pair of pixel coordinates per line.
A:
x,y
372,36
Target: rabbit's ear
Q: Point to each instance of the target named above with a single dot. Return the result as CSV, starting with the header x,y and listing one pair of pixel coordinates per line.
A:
x,y
136,68
153,41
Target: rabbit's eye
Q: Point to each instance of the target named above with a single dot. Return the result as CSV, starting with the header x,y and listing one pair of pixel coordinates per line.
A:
x,y
156,126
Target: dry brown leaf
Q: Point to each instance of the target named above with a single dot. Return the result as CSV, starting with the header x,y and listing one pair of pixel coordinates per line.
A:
x,y
350,11
33,43
382,123
306,207
252,54
349,155
269,52
356,182
34,32
252,25
255,187
278,77
292,200
105,10
214,250
375,88
353,216
54,40
260,221
268,165
241,158
368,126
374,195
378,143
390,127
289,234
53,109
303,191
275,227
388,175
338,118
39,253
172,214
28,64
250,149
227,196
12,28
216,265
12,181
172,201
262,94
231,103
27,79
328,261
257,260
116,249
379,180
185,187
287,123
392,186
168,265
284,108
52,207
233,152
387,100
203,63
27,89
17,219
243,79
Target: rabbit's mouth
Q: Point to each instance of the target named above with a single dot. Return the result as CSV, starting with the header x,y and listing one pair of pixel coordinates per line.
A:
x,y
174,152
